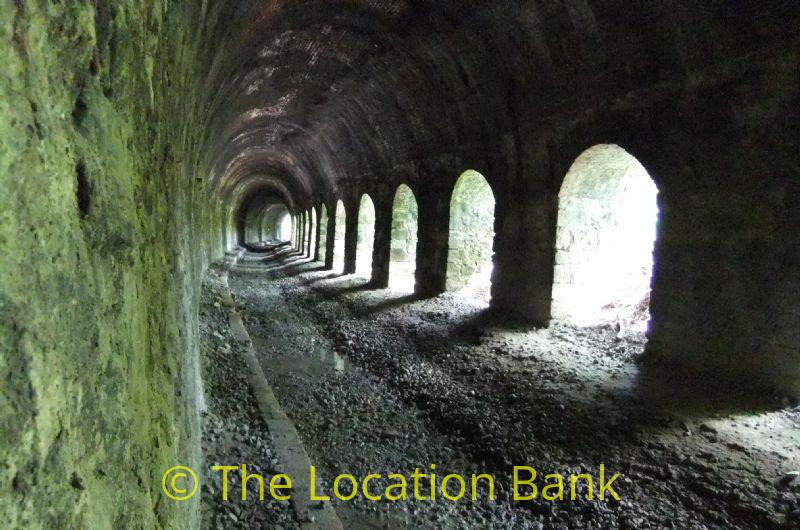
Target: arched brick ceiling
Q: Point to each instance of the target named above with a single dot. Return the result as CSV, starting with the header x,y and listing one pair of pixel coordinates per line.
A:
x,y
321,95
313,90
268,187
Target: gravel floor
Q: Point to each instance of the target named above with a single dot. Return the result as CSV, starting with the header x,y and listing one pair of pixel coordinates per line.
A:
x,y
379,383
233,431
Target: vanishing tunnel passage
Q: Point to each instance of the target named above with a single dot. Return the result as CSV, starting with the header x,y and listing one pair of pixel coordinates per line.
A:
x,y
403,261
264,219
470,249
379,236
607,220
366,237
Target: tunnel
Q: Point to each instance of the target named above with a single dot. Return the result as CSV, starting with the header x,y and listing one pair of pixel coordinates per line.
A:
x,y
400,264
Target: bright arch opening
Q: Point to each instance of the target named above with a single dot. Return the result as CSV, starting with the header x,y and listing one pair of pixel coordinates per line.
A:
x,y
366,236
471,243
403,259
323,234
306,233
338,244
607,221
312,233
285,227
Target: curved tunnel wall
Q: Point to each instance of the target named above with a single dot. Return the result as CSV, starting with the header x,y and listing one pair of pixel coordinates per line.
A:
x,y
682,100
138,128
107,226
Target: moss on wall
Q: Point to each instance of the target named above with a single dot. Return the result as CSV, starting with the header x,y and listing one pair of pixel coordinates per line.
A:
x,y
104,233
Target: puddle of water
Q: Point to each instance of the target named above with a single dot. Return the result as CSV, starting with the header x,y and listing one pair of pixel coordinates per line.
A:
x,y
354,519
314,360
338,362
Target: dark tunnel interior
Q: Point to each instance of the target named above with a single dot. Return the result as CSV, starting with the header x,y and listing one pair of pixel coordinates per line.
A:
x,y
470,239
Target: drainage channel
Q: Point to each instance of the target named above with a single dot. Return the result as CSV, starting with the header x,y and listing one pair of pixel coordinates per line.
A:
x,y
348,419
287,443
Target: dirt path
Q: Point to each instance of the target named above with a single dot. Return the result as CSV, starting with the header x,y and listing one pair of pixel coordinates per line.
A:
x,y
377,384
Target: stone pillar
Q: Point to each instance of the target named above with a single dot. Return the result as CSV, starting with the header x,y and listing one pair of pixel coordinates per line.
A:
x,y
351,240
330,242
522,280
295,231
318,230
302,223
433,233
382,247
299,243
726,284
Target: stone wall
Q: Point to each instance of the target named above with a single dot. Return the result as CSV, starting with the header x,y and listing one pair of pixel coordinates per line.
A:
x,y
105,231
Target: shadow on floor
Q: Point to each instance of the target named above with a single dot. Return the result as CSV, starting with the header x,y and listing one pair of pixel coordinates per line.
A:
x,y
311,281
364,285
303,268
389,304
489,318
656,388
663,387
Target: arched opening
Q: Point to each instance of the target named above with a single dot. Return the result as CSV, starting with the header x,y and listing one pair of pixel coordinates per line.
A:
x,y
607,219
403,260
299,231
285,226
338,244
471,242
366,236
323,234
306,233
312,233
